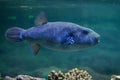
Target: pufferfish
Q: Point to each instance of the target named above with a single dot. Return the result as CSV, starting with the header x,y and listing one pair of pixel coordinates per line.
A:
x,y
62,36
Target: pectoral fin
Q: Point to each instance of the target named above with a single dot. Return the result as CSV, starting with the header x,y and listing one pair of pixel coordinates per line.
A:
x,y
35,48
40,19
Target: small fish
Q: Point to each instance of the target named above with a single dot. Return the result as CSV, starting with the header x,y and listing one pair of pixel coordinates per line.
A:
x,y
63,36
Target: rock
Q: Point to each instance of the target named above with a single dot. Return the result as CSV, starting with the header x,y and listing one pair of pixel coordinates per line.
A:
x,y
23,77
115,77
1,77
8,78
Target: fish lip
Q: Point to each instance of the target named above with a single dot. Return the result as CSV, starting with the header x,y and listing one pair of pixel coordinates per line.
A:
x,y
94,41
98,41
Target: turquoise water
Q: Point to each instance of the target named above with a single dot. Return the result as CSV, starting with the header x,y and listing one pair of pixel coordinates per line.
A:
x,y
101,61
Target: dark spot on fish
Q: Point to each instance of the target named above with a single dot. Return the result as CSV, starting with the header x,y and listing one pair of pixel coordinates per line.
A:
x,y
71,34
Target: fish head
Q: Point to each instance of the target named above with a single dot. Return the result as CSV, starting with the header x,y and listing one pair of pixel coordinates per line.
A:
x,y
85,37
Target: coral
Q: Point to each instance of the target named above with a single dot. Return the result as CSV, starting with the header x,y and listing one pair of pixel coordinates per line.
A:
x,y
74,74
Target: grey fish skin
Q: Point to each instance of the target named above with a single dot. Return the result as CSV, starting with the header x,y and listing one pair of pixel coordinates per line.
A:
x,y
63,36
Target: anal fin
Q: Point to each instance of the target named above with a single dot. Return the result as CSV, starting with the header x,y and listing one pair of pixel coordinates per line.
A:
x,y
35,48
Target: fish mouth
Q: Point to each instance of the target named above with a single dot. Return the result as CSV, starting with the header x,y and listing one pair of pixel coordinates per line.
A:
x,y
94,38
94,41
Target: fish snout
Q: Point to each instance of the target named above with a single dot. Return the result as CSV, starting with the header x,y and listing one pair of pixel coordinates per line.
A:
x,y
97,40
94,38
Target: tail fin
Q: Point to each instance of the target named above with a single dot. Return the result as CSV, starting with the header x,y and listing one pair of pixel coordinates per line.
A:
x,y
14,34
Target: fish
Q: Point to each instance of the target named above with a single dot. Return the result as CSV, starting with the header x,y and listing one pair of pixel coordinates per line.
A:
x,y
58,35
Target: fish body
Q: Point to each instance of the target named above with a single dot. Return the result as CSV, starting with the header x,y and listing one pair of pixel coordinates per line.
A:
x,y
63,36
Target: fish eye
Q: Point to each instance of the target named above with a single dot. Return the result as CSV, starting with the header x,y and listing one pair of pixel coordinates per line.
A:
x,y
85,32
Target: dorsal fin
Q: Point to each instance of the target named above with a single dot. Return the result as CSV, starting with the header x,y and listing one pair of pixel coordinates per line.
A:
x,y
40,19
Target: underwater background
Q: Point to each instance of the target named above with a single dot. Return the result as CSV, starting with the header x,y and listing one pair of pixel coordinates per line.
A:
x,y
101,61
